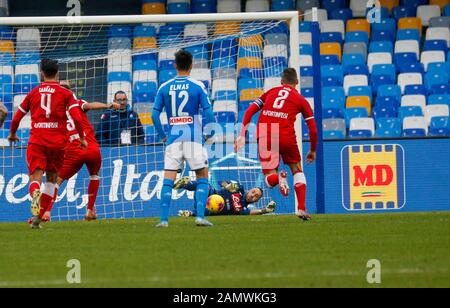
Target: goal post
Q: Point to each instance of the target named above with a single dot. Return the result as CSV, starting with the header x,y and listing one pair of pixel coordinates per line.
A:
x,y
132,172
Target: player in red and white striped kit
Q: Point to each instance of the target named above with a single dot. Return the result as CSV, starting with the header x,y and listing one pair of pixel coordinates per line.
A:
x,y
75,158
277,139
49,105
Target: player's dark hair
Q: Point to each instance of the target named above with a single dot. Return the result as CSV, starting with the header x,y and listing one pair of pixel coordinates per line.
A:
x,y
262,191
290,76
184,60
49,68
118,93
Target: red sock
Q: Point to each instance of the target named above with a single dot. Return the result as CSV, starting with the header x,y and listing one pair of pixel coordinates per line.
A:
x,y
94,185
272,180
33,187
46,198
300,190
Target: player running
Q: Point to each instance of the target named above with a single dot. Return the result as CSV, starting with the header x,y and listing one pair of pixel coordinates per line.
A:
x,y
276,136
49,104
237,200
75,158
183,98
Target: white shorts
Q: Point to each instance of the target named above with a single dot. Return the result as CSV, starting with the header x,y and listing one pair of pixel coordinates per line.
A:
x,y
192,152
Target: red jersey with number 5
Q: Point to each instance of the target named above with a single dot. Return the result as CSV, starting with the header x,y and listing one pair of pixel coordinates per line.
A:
x,y
48,104
89,133
279,109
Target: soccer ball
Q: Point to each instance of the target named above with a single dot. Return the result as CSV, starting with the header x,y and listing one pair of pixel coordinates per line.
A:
x,y
215,204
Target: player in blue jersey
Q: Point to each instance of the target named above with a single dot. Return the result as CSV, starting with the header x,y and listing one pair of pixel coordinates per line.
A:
x,y
185,101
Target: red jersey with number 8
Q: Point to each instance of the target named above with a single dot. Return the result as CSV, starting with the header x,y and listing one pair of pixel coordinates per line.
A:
x,y
48,104
279,109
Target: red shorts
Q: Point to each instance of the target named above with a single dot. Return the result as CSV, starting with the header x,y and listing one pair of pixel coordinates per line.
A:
x,y
43,158
76,158
271,152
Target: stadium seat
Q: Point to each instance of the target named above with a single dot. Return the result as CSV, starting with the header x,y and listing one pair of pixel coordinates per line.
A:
x,y
153,8
355,80
144,31
360,91
250,63
226,28
333,26
357,37
416,89
362,128
333,97
411,24
410,67
440,89
203,7
440,22
432,111
359,102
354,113
438,34
113,87
436,79
407,46
342,14
144,43
276,39
225,106
388,128
166,75
381,46
20,69
355,48
119,76
441,3
333,135
410,111
385,30
203,75
439,99
196,31
331,37
23,84
415,127
426,12
7,47
322,15
390,91
333,113
282,5
353,60
447,10
178,8
390,4
384,70
380,112
331,49
376,81
409,79
378,58
403,12
358,7
229,6
440,127
144,92
226,95
223,85
356,70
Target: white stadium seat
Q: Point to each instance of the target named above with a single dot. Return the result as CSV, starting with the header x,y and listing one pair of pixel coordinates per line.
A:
x,y
428,57
202,75
257,6
29,34
120,62
333,26
7,70
229,6
436,111
359,8
363,124
426,12
306,61
271,83
124,86
355,81
145,76
375,58
322,15
409,79
223,85
32,69
275,51
438,34
167,54
415,123
225,106
18,99
196,30
414,100
305,38
408,46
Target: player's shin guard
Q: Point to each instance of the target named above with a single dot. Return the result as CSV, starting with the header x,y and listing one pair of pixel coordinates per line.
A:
x,y
47,197
300,190
201,195
94,184
272,180
166,199
33,187
55,196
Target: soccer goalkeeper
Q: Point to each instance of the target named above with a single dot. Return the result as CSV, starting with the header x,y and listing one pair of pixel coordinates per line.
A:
x,y
237,200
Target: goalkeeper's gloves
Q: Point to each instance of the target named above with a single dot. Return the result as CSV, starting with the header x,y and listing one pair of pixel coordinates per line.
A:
x,y
270,208
232,187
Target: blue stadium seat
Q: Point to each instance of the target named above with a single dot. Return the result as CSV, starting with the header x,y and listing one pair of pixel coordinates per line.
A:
x,y
306,71
440,89
388,128
282,5
308,92
166,64
403,12
439,67
144,31
144,92
410,67
334,71
305,26
385,70
439,99
224,49
403,58
387,101
252,73
333,135
360,91
408,34
225,117
274,66
119,76
199,51
145,57
7,34
356,70
332,37
170,30
413,3
243,107
353,60
333,113
329,60
331,82
305,132
390,90
224,63
333,97
415,90
24,136
178,8
250,51
414,133
436,45
388,26
409,111
23,84
382,46
203,6
141,65
360,134
380,112
166,75
333,5
249,83
25,57
306,50
120,31
436,79
447,10
342,14
357,37
6,88
353,113
376,81
440,127
382,36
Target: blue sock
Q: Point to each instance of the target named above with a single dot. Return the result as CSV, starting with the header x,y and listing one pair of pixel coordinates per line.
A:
x,y
166,199
201,195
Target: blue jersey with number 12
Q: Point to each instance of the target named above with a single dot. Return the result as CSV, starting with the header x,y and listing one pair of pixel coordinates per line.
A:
x,y
183,98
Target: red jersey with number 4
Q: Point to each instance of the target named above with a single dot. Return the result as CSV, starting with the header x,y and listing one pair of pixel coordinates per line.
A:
x,y
89,133
48,104
279,109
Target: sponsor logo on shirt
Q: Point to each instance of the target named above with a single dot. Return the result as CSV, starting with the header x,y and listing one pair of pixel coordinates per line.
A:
x,y
46,125
275,114
236,198
181,120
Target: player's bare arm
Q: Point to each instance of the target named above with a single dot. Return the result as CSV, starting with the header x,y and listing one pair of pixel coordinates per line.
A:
x,y
100,106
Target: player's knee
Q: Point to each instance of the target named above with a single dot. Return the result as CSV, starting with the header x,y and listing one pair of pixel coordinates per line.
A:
x,y
95,178
202,173
51,177
296,168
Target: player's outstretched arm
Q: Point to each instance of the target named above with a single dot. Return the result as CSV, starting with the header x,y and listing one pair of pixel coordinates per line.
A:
x,y
251,111
100,106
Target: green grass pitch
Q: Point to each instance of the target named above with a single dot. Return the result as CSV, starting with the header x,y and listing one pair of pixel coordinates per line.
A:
x,y
270,251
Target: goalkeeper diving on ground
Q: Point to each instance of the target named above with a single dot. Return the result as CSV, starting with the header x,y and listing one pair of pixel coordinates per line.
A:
x,y
236,199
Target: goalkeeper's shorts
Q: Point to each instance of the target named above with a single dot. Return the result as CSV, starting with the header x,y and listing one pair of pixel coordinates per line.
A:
x,y
179,152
